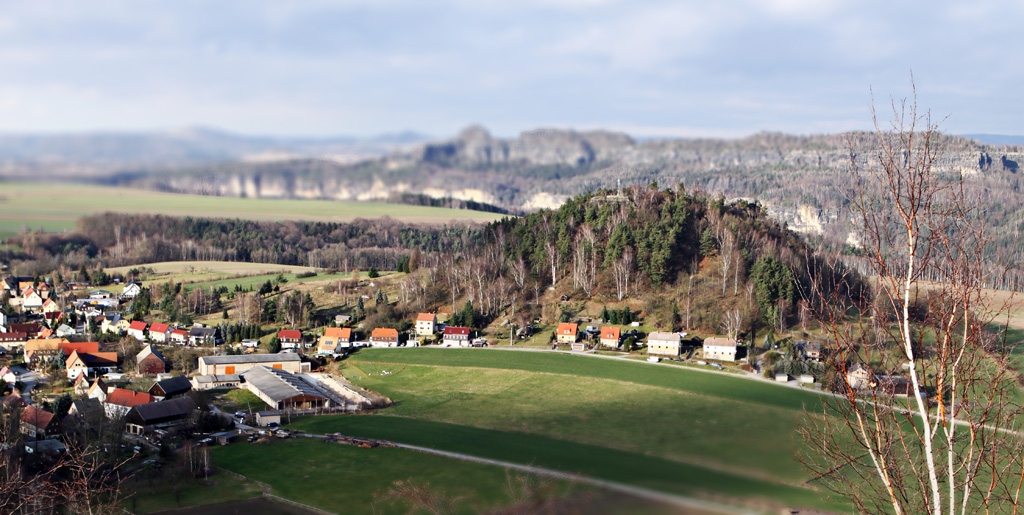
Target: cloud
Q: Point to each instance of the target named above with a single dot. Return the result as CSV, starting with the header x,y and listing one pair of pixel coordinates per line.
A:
x,y
364,67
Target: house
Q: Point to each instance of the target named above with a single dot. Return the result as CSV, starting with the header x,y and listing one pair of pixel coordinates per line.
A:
x,y
282,390
98,390
64,330
384,337
114,323
895,386
720,349
209,382
289,338
342,319
158,332
169,415
664,344
611,336
11,340
31,329
84,415
120,401
178,337
454,336
99,294
50,308
31,300
8,376
137,330
333,338
171,388
858,376
42,350
131,290
90,363
38,423
81,385
250,344
810,350
204,336
3,321
566,332
426,324
227,365
149,361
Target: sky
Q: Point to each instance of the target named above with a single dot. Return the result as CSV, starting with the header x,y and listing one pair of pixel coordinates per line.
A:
x,y
650,68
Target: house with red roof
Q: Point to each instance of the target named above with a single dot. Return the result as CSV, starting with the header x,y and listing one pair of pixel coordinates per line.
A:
x,y
137,330
384,337
426,324
158,332
179,337
610,336
120,401
31,300
68,347
333,338
455,336
289,338
38,423
566,332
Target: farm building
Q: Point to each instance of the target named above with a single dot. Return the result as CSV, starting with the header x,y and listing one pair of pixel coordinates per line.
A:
x,y
384,337
664,344
455,336
210,382
720,349
426,324
218,365
166,415
267,417
611,336
333,338
170,388
150,361
282,390
566,332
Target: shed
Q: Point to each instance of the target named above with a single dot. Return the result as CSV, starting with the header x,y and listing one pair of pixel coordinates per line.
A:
x,y
265,418
171,388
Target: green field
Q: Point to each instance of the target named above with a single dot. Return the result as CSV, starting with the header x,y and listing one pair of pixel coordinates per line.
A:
x,y
345,479
666,428
152,491
57,207
223,273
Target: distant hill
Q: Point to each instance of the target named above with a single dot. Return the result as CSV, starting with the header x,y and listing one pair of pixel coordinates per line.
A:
x,y
997,139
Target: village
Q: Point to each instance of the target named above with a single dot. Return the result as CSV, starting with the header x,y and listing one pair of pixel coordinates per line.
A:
x,y
146,398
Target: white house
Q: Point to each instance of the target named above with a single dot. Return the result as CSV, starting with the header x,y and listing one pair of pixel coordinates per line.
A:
x,y
131,290
720,349
426,324
664,344
31,300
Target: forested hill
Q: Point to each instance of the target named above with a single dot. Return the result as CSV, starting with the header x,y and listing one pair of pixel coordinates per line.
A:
x,y
643,244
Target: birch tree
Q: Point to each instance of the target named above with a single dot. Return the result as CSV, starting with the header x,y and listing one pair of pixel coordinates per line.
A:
x,y
936,431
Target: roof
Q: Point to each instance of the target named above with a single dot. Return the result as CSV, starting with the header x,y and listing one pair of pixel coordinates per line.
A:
x,y
13,337
100,385
147,351
69,347
202,331
128,398
222,378
36,345
567,328
278,385
158,327
384,332
36,417
452,330
339,332
425,317
173,386
608,332
720,342
663,336
164,410
138,325
249,358
291,334
93,359
181,332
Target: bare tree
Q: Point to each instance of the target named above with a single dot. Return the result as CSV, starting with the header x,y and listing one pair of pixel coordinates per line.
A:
x,y
732,323
891,447
727,249
622,270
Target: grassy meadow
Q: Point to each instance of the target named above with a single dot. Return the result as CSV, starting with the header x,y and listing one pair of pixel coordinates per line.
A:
x,y
665,428
57,207
346,479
